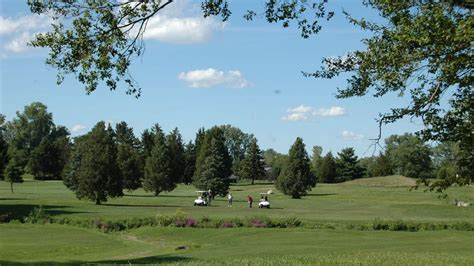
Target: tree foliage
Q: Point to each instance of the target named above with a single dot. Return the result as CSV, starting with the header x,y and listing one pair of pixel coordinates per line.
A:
x,y
296,179
3,148
213,164
253,165
128,157
94,174
174,141
13,172
347,166
189,163
327,169
409,156
158,166
423,51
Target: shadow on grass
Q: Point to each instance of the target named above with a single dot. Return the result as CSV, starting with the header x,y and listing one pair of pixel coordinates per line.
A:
x,y
159,196
12,199
145,260
20,211
142,205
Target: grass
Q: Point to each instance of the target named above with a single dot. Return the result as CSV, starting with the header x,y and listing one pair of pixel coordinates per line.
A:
x,y
364,201
231,246
341,203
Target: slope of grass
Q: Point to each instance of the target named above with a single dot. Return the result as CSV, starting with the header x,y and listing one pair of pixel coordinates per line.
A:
x,y
54,244
384,181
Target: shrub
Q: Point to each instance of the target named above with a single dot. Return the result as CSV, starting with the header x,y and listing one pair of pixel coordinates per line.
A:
x,y
37,215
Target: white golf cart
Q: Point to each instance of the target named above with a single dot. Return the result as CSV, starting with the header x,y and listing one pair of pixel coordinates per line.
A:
x,y
264,203
201,199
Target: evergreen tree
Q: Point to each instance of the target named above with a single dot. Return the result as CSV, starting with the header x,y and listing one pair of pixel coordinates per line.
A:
x,y
128,157
253,165
97,176
177,160
347,166
189,162
213,145
296,179
214,171
157,167
327,169
13,172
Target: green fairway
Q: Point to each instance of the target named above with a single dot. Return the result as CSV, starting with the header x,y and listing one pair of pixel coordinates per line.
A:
x,y
62,244
354,202
327,202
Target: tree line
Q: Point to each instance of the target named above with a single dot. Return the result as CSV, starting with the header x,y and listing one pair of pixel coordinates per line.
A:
x,y
103,162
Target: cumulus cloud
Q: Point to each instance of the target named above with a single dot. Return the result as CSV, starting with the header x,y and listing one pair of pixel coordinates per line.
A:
x,y
180,22
304,112
181,30
77,128
349,135
17,32
211,77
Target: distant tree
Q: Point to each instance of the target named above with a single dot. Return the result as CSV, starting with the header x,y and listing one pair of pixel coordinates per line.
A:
x,y
316,160
347,166
276,162
296,179
96,176
327,169
189,163
446,160
128,157
13,172
26,131
3,148
376,165
409,156
199,139
213,146
48,160
158,167
237,143
253,165
175,144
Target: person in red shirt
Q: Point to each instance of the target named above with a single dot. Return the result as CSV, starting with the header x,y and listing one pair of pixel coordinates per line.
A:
x,y
249,200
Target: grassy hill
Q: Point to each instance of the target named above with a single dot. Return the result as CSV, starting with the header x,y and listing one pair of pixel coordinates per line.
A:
x,y
384,181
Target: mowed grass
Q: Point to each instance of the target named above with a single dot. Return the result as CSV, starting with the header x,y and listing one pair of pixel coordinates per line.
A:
x,y
341,203
59,244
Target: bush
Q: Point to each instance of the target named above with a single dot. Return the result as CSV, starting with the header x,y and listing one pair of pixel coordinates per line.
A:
x,y
37,215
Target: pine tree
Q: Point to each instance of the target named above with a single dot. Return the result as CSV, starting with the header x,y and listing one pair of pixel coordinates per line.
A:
x,y
3,155
189,162
253,165
157,167
174,142
97,176
316,160
213,175
327,169
213,146
296,179
348,167
128,157
13,172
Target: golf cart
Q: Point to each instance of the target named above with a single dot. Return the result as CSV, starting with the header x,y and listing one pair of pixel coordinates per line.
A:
x,y
201,198
264,203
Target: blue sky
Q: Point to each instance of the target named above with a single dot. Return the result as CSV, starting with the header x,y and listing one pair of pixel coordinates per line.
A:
x,y
201,72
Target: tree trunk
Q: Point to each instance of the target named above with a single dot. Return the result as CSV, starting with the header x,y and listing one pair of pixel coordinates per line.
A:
x,y
97,201
11,186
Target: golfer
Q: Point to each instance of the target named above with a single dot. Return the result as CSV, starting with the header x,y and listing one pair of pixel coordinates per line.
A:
x,y
229,197
250,201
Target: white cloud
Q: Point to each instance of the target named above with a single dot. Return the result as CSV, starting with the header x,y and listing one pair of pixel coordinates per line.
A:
x,y
211,77
349,135
17,32
77,128
181,30
180,22
304,112
332,111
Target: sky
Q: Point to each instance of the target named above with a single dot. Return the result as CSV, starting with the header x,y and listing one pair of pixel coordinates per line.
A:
x,y
200,72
